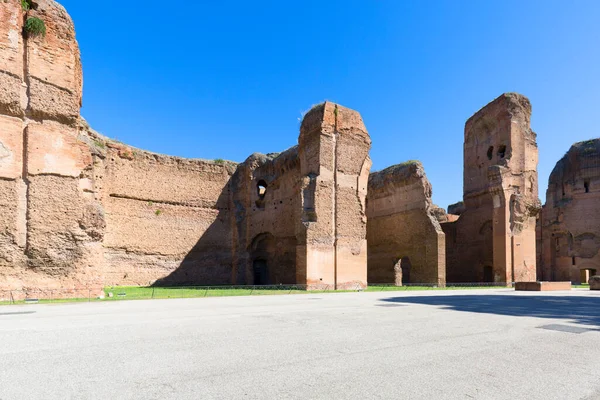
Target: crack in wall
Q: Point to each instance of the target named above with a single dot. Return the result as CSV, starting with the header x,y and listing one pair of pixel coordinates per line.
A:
x,y
54,85
168,202
24,192
335,208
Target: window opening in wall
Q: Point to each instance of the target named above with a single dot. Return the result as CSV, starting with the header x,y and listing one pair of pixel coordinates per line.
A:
x,y
490,152
261,191
261,188
573,260
563,189
586,186
502,151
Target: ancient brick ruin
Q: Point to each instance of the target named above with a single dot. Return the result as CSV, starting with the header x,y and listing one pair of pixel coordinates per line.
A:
x,y
569,228
405,240
494,240
80,210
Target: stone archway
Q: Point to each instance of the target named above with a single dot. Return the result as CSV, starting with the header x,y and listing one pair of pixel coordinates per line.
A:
x,y
260,271
262,258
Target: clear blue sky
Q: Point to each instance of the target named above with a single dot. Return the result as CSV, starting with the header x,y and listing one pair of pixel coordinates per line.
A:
x,y
224,79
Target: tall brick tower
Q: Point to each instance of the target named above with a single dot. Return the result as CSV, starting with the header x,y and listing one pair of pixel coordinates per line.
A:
x,y
494,238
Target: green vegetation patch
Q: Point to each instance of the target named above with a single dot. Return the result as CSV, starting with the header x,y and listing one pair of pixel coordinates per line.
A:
x,y
35,27
116,293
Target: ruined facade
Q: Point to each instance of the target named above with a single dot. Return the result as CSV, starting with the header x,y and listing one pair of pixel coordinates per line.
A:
x,y
405,239
569,227
80,210
299,216
494,240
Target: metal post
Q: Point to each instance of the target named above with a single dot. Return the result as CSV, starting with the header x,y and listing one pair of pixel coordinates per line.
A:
x,y
153,292
206,291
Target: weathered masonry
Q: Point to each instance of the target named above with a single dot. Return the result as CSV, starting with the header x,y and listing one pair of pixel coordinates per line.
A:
x,y
494,239
405,239
78,210
569,227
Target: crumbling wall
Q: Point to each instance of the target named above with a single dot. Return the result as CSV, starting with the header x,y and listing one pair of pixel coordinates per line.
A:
x,y
403,228
266,202
80,210
51,228
569,228
167,218
494,238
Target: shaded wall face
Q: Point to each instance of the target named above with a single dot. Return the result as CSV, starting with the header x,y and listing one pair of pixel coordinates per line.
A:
x,y
265,192
569,227
166,219
401,225
500,189
469,246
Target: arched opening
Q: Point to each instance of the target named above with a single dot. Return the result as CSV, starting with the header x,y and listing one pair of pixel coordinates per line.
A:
x,y
260,272
405,266
262,255
490,152
261,191
488,274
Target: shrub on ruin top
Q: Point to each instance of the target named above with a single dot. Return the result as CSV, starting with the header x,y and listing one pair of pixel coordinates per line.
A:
x,y
26,5
35,27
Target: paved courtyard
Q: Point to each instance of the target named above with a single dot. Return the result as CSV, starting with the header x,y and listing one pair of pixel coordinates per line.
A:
x,y
471,344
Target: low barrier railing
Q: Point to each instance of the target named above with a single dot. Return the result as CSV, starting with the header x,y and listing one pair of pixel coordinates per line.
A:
x,y
114,293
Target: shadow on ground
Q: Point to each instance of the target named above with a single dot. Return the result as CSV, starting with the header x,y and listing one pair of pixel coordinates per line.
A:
x,y
579,309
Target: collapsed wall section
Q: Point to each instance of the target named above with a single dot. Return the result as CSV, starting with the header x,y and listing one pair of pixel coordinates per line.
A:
x,y
406,242
569,228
